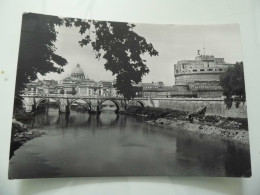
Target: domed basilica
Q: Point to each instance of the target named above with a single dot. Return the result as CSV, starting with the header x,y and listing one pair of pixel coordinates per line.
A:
x,y
77,83
77,73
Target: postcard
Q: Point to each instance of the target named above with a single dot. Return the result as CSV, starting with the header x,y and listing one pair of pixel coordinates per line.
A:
x,y
101,98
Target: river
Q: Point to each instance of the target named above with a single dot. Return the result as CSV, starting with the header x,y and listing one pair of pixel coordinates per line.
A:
x,y
109,144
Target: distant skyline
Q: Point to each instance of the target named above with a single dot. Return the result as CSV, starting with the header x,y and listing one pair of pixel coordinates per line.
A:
x,y
173,42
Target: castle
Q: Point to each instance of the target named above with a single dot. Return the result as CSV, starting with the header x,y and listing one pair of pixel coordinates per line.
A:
x,y
200,77
203,68
193,78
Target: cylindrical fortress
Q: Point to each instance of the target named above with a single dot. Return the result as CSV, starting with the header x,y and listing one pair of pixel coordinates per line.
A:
x,y
186,78
203,68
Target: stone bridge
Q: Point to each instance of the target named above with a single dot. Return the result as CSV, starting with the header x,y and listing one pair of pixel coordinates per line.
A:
x,y
32,101
215,106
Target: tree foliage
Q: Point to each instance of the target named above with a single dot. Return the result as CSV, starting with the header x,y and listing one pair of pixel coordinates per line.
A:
x,y
37,50
122,49
116,42
233,81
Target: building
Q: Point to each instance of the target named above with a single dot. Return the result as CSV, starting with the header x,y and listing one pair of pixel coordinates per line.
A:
x,y
108,89
199,77
193,78
159,90
77,83
155,90
206,89
42,86
203,68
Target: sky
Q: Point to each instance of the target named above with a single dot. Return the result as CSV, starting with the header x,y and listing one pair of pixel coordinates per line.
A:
x,y
173,42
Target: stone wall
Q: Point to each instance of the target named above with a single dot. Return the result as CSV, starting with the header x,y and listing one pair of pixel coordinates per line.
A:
x,y
181,79
210,94
215,106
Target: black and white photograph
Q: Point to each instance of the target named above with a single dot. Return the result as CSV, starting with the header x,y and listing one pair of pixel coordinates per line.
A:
x,y
104,98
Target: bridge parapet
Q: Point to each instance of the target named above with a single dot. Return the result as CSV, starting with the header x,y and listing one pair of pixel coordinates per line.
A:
x,y
32,101
66,96
215,106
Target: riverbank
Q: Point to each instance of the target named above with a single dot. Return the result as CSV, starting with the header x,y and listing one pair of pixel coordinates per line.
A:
x,y
234,129
21,134
210,130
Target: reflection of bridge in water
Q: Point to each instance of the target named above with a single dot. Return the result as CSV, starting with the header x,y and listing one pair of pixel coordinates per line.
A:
x,y
76,119
32,101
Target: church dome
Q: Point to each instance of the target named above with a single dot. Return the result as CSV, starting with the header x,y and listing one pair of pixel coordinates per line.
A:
x,y
77,73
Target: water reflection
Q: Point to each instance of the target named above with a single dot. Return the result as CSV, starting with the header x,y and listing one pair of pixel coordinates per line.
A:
x,y
74,119
82,144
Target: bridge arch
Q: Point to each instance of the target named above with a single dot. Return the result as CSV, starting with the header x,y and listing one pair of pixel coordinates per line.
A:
x,y
46,99
140,102
117,104
87,101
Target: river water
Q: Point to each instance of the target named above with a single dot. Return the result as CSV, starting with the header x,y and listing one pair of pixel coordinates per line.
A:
x,y
118,145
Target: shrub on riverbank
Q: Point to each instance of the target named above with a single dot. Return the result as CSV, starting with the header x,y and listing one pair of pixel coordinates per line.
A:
x,y
228,123
21,134
20,115
17,128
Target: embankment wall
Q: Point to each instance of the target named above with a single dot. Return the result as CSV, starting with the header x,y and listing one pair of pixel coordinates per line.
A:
x,y
215,106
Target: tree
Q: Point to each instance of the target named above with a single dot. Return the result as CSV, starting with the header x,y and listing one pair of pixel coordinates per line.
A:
x,y
233,82
37,50
121,47
116,42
